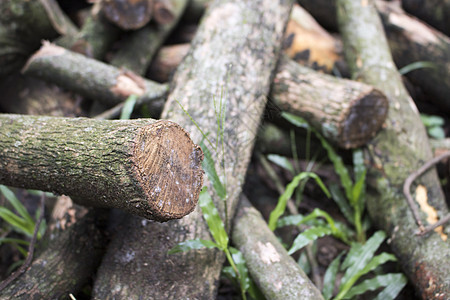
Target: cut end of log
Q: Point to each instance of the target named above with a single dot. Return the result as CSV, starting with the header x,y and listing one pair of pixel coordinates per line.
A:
x,y
364,119
169,169
128,14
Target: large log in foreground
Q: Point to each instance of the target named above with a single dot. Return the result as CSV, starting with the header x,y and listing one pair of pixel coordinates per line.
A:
x,y
398,150
149,168
234,53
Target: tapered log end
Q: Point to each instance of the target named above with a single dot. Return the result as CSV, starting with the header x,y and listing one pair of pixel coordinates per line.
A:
x,y
364,120
169,169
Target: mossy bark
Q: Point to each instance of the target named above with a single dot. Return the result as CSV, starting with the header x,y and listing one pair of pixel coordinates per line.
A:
x,y
399,149
232,58
146,167
89,77
66,265
277,275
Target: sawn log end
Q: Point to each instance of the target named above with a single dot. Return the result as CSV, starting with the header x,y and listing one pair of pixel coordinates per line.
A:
x,y
169,170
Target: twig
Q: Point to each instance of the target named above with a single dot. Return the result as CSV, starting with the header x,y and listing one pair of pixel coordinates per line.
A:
x,y
31,248
411,204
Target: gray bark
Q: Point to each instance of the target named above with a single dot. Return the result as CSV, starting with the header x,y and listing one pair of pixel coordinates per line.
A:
x,y
398,150
234,52
275,272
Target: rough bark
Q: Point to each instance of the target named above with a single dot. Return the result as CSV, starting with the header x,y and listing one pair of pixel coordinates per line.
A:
x,y
89,77
410,41
434,12
139,47
66,265
128,14
146,167
353,112
346,112
235,51
277,275
22,26
399,149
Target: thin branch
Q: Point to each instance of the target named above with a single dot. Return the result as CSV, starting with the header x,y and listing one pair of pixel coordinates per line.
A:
x,y
411,204
31,248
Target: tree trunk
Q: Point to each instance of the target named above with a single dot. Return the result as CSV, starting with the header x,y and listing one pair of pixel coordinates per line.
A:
x,y
399,149
232,58
89,77
275,272
66,265
146,167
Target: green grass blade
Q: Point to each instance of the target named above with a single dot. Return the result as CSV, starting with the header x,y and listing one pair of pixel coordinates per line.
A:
x,y
18,206
210,170
417,65
213,219
290,188
397,283
239,261
18,224
329,278
13,241
192,245
375,283
281,161
308,236
338,164
359,255
347,283
295,120
128,107
342,202
358,191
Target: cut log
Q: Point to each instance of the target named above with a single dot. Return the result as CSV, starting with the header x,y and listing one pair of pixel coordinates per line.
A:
x,y
309,44
89,77
398,150
410,41
66,265
277,275
166,61
348,113
128,14
94,38
149,168
235,51
434,12
138,48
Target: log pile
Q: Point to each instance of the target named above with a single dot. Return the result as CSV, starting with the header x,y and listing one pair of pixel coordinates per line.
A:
x,y
134,184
